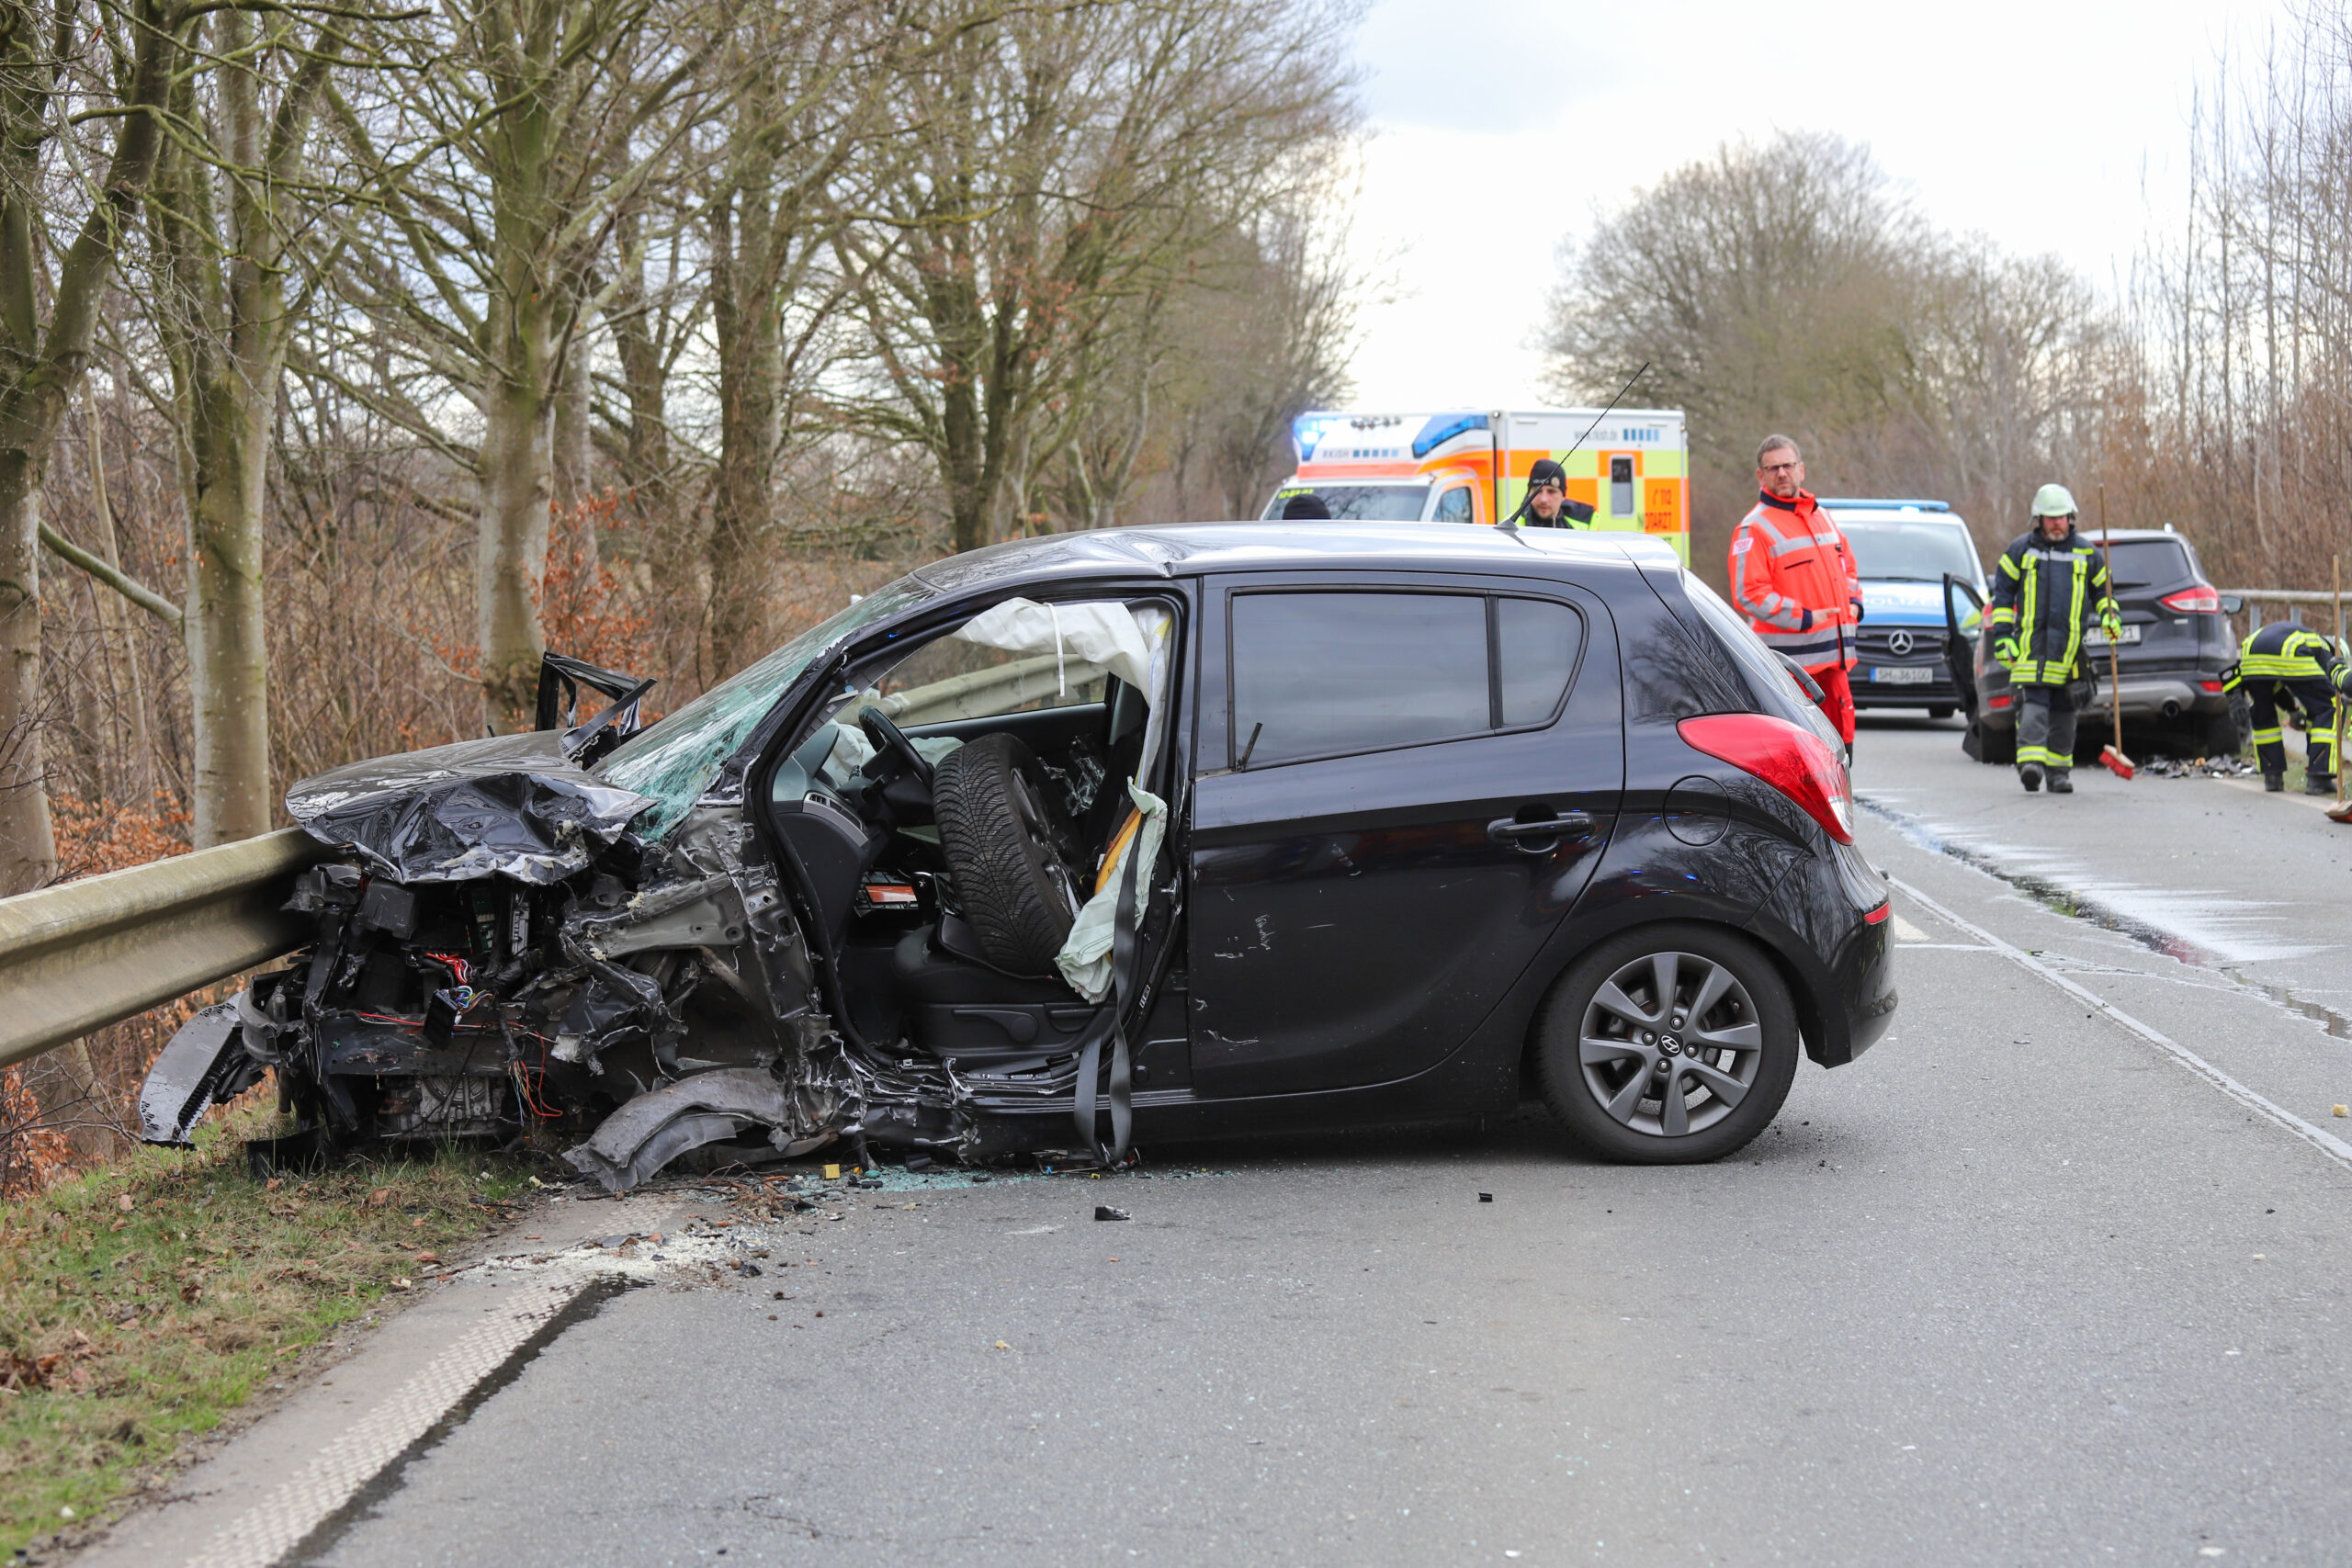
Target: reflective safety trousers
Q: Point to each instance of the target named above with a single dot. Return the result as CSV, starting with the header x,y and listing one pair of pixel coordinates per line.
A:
x,y
2283,665
1788,557
2045,596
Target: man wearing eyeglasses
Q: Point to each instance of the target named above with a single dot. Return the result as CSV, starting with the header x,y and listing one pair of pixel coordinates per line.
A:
x,y
1793,575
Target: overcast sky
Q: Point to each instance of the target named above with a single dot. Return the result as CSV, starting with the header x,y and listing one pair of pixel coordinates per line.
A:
x,y
1502,126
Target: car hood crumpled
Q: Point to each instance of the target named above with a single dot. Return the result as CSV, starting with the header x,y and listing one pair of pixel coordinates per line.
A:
x,y
510,804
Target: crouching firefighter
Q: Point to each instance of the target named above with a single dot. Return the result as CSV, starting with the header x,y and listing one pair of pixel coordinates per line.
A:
x,y
2283,665
2050,588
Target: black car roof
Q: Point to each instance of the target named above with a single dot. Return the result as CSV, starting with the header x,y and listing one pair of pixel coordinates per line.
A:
x,y
1195,548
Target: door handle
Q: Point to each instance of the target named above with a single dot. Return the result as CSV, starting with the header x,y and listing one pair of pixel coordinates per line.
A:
x,y
1532,836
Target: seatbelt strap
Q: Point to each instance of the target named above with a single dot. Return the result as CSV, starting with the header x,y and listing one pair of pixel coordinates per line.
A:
x,y
1121,1090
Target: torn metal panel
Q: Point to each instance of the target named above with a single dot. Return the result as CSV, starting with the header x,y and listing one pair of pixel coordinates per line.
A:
x,y
204,1065
656,1128
511,806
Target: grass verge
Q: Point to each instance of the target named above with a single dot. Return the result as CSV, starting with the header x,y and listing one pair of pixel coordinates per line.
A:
x,y
144,1302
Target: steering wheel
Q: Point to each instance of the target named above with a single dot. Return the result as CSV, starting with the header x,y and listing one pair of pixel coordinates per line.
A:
x,y
889,737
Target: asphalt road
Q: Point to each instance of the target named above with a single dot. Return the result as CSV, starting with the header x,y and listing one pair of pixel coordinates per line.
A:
x,y
2024,1285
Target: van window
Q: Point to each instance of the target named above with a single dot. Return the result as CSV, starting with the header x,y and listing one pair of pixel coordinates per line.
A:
x,y
1360,504
1621,487
1454,506
1911,552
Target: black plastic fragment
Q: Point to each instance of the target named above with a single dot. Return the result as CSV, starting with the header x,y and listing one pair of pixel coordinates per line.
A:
x,y
1104,1212
1486,1197
204,1065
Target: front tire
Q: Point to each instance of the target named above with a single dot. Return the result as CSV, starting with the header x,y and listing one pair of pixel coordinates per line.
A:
x,y
1674,1044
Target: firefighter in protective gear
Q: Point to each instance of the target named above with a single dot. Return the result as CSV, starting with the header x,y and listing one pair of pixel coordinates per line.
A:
x,y
2283,665
2049,589
1793,576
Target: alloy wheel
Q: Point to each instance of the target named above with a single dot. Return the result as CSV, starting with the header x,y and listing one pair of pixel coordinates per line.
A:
x,y
1670,1045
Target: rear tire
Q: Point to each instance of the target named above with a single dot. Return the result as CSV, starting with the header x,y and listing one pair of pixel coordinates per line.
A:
x,y
1941,713
1643,1076
2219,735
1008,852
1995,748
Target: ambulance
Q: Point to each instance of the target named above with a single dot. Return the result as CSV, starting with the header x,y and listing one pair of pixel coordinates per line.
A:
x,y
1633,469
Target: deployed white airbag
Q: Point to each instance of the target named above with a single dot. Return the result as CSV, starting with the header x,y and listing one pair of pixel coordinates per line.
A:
x,y
1132,645
1085,958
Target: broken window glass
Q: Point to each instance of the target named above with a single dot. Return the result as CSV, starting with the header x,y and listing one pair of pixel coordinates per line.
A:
x,y
674,760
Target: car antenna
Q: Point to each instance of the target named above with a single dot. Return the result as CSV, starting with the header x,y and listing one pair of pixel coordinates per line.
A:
x,y
1512,521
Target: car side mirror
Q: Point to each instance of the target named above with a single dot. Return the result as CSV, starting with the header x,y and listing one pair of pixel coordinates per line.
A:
x,y
2231,604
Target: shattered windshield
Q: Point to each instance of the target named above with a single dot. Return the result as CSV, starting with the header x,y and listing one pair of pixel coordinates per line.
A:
x,y
674,760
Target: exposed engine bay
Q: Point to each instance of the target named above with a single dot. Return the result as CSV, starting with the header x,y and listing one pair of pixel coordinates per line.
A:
x,y
897,920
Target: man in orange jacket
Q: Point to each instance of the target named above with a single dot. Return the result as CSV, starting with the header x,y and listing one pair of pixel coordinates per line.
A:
x,y
1793,575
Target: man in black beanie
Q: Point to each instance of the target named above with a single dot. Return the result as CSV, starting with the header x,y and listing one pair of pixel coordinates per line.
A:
x,y
1547,505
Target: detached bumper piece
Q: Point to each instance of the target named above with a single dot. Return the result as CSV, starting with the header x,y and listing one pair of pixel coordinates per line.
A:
x,y
658,1126
204,1064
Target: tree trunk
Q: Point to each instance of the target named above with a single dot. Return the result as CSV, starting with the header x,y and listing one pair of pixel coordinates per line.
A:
x,y
136,772
27,847
749,332
569,455
227,662
511,549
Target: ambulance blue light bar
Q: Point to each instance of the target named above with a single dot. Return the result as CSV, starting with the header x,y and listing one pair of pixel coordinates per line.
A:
x,y
1442,428
1865,504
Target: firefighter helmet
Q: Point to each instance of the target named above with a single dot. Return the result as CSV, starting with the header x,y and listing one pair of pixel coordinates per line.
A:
x,y
2053,501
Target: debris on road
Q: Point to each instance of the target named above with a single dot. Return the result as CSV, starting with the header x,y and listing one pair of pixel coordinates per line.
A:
x,y
1104,1212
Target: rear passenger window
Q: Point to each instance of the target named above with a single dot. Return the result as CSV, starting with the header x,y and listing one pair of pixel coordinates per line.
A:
x,y
1536,644
1329,674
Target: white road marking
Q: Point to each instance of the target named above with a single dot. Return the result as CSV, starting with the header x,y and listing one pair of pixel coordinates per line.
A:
x,y
1905,931
2316,802
276,1525
2325,1142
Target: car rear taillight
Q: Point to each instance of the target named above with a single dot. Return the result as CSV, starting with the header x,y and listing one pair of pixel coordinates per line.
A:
x,y
2000,699
2201,600
1789,758
2210,686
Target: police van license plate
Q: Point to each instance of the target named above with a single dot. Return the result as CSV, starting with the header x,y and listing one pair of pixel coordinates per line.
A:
x,y
1903,674
2096,636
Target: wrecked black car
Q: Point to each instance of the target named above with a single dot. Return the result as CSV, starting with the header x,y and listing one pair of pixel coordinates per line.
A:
x,y
1059,844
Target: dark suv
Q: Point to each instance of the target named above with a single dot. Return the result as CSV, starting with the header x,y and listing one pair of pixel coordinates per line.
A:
x,y
2175,651
1143,833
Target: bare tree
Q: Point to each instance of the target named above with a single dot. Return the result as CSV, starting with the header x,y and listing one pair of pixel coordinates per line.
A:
x,y
497,164
229,193
63,69
1063,161
1788,287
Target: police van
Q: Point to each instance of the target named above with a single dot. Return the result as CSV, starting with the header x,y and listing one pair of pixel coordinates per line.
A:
x,y
1904,550
1631,466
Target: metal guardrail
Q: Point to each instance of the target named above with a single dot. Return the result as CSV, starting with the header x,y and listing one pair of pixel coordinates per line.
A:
x,y
84,955
2282,596
986,693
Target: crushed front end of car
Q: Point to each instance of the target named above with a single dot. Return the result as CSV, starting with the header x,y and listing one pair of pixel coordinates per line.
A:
x,y
498,957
